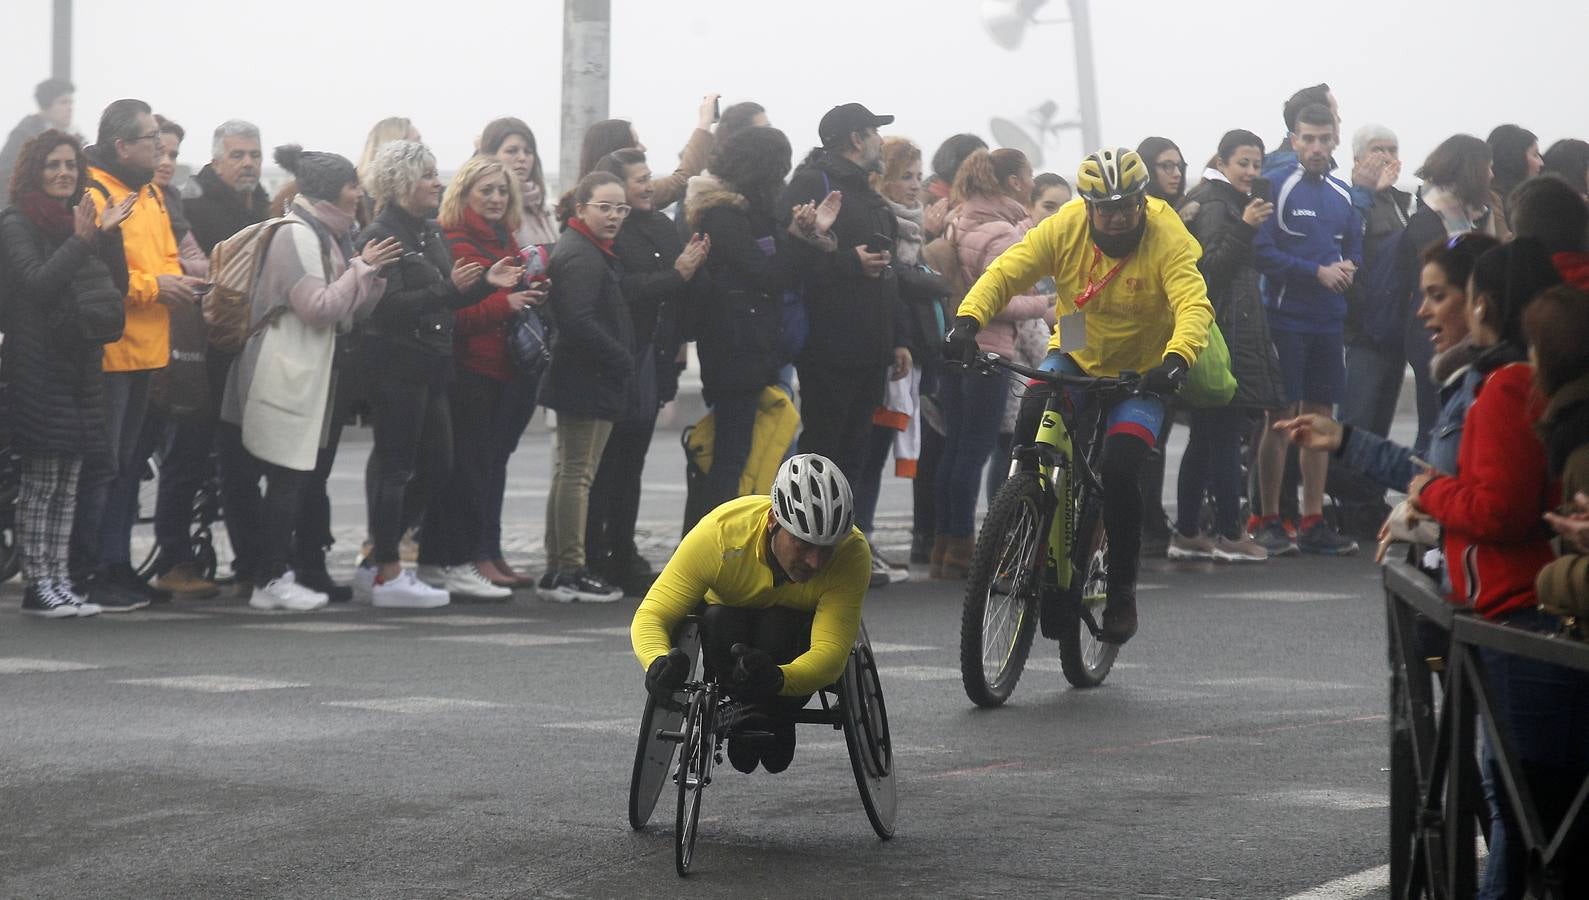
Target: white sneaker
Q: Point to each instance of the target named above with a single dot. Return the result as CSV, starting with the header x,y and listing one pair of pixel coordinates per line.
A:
x,y
465,579
407,592
433,575
84,608
363,583
894,572
284,592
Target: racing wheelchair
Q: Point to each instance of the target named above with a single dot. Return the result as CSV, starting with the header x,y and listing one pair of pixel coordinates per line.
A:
x,y
681,740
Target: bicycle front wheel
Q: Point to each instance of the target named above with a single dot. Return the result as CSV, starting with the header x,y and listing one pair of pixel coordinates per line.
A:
x,y
1085,659
1000,610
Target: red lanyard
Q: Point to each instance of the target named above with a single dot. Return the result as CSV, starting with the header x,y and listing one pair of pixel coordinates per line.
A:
x,y
1094,288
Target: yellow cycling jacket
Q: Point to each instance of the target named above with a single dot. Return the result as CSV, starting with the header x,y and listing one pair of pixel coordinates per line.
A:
x,y
725,560
1157,304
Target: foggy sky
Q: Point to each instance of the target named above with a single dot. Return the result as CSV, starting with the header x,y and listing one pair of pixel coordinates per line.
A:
x,y
321,73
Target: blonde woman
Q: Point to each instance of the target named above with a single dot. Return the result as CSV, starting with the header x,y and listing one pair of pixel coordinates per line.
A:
x,y
479,214
406,358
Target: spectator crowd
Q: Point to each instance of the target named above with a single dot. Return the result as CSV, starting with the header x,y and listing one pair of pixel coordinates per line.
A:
x,y
232,335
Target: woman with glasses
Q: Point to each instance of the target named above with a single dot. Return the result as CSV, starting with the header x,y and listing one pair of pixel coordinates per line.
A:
x,y
406,360
1167,174
589,380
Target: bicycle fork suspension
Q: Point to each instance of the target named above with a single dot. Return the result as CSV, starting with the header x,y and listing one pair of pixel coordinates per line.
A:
x,y
1062,526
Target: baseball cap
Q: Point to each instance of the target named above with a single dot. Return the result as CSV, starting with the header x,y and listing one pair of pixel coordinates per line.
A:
x,y
841,121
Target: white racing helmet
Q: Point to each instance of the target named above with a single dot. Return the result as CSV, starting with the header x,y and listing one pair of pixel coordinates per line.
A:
x,y
811,499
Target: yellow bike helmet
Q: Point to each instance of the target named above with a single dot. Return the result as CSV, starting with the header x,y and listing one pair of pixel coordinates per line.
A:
x,y
1112,174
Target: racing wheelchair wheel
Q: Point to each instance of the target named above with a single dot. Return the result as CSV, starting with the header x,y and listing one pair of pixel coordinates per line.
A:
x,y
864,718
653,763
694,772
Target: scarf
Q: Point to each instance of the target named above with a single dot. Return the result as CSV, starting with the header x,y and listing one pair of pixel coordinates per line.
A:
x,y
48,214
579,225
1574,268
339,223
1455,215
907,245
1497,355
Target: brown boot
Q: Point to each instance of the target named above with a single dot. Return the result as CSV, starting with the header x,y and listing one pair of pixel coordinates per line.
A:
x,y
957,557
940,544
185,582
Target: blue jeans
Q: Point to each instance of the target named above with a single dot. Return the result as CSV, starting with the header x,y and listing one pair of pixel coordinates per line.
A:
x,y
1373,386
107,497
973,408
1544,711
870,482
185,450
1212,465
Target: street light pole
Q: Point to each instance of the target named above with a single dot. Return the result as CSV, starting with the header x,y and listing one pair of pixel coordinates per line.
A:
x,y
1086,84
61,56
587,69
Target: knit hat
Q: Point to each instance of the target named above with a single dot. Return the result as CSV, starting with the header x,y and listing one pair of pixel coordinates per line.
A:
x,y
321,176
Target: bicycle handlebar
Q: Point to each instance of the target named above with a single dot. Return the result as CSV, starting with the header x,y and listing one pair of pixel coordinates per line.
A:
x,y
987,361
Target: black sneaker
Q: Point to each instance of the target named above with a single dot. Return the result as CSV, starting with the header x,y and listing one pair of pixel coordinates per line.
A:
x,y
920,548
1119,615
46,603
113,598
1322,540
123,576
779,752
319,580
578,586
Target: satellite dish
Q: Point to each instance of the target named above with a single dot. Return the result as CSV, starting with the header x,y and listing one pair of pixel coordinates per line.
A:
x,y
1005,20
1031,143
1008,134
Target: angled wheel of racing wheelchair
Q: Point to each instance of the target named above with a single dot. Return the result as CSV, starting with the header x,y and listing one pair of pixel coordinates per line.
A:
x,y
654,753
863,717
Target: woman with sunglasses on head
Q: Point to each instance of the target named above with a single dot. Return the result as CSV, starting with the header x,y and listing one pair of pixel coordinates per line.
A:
x,y
589,380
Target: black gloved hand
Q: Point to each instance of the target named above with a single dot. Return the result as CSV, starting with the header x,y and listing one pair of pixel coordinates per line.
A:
x,y
1166,378
960,342
667,674
755,677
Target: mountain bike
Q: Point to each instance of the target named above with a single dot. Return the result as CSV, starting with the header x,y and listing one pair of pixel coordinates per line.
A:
x,y
1042,555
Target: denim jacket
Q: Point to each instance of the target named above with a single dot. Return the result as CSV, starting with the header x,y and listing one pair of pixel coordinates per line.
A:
x,y
1390,464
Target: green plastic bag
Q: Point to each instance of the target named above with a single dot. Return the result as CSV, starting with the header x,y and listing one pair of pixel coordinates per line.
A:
x,y
1209,383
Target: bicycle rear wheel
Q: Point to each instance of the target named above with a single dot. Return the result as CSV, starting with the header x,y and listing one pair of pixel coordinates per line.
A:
x,y
1000,612
1085,659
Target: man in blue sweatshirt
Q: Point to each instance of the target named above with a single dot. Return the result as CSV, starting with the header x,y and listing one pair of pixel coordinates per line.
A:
x,y
1308,253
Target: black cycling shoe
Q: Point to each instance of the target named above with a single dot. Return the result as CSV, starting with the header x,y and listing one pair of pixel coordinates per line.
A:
x,y
749,736
1119,615
779,752
744,752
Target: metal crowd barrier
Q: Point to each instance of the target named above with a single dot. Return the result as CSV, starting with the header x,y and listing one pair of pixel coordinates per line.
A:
x,y
1439,701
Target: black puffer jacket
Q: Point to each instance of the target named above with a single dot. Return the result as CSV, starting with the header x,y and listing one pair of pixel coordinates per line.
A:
x,y
411,327
739,325
658,297
593,366
855,321
1227,266
218,212
54,396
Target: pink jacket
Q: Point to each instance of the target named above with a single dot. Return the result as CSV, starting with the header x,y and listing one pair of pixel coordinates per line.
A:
x,y
983,228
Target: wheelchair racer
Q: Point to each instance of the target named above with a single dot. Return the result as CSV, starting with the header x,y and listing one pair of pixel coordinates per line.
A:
x,y
1130,298
782,578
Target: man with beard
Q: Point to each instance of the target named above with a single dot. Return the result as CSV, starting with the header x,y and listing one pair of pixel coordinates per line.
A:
x,y
856,319
1309,254
1130,298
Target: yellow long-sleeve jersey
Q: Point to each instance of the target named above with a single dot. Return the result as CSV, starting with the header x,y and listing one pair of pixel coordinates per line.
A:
x,y
1156,304
725,560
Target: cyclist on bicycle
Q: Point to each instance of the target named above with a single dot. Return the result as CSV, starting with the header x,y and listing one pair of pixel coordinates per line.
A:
x,y
1131,299
782,578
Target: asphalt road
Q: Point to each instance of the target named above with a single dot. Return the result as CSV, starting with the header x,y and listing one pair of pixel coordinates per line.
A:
x,y
204,750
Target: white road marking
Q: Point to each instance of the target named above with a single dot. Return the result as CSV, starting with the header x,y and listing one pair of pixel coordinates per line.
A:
x,y
250,611
1266,683
514,640
322,627
1349,888
1052,664
214,684
1330,799
615,631
602,726
920,673
1284,596
885,647
458,620
161,616
415,705
21,665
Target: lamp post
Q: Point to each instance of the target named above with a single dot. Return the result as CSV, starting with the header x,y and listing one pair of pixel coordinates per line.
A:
x,y
61,46
587,72
1006,22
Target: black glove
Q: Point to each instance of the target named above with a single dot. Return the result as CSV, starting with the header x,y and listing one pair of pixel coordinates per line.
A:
x,y
1167,377
755,677
960,343
667,673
